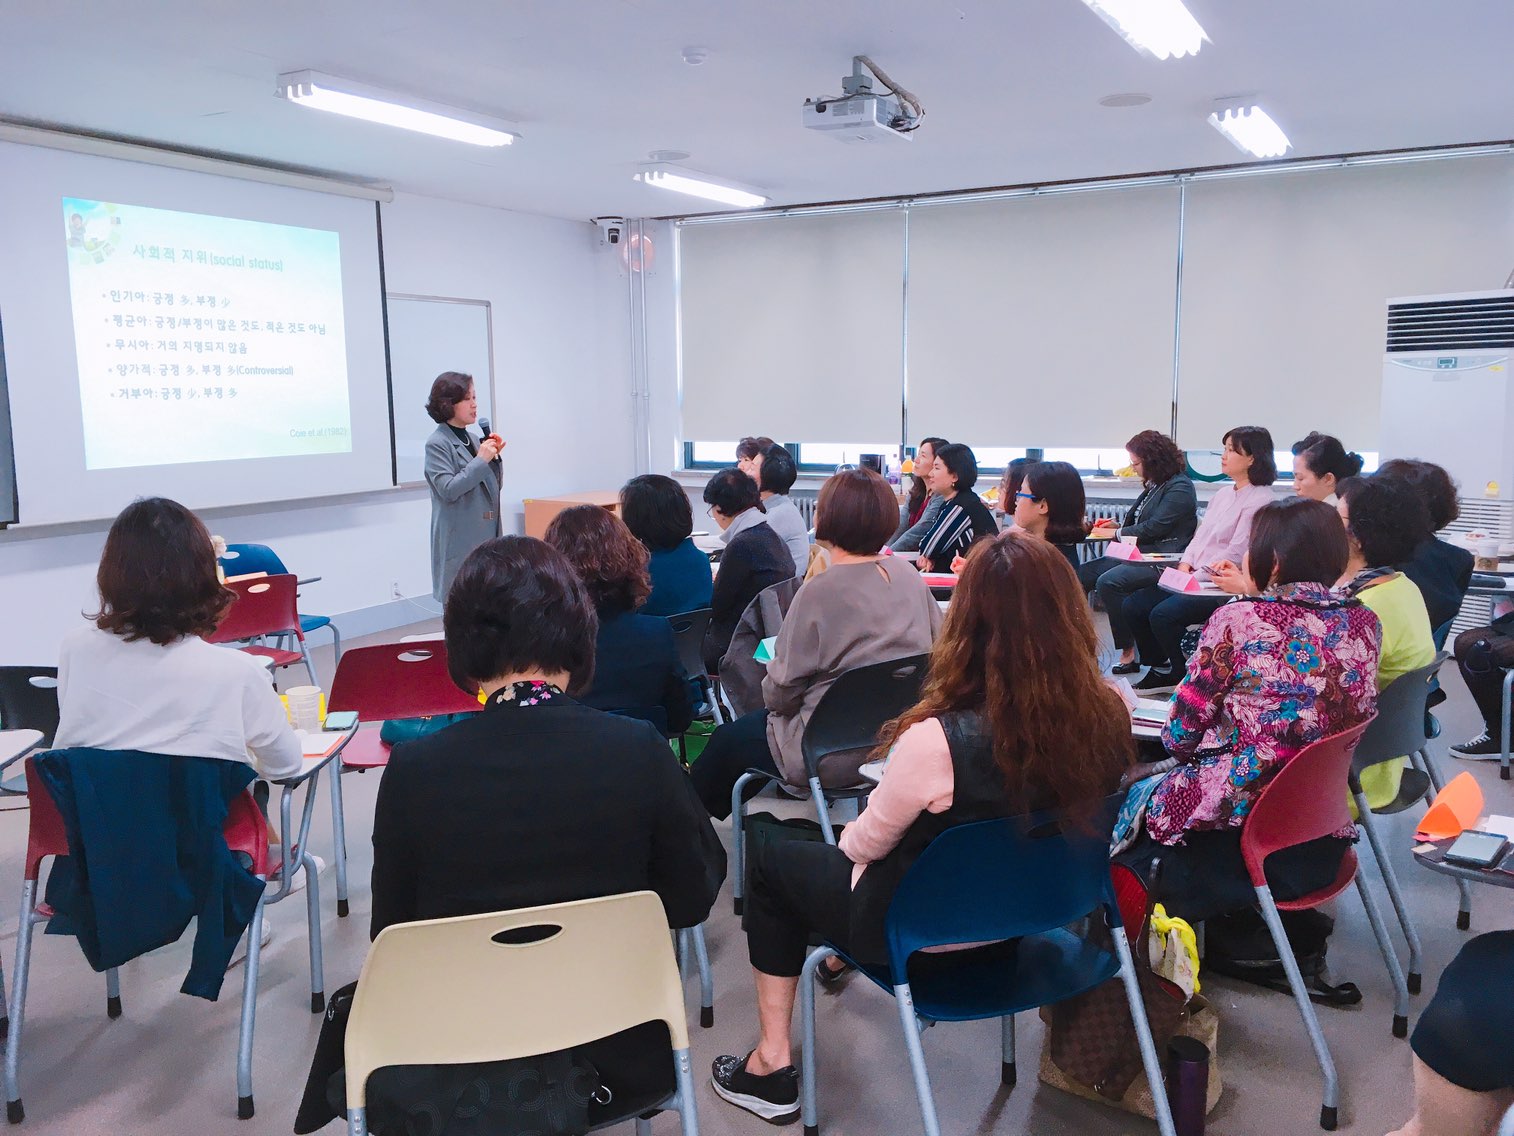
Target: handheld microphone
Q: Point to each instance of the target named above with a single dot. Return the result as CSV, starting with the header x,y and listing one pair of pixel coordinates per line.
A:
x,y
483,424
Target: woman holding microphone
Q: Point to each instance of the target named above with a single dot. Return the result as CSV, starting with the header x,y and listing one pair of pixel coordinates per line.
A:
x,y
464,477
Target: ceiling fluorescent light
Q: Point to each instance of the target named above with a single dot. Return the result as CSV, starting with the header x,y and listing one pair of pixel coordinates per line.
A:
x,y
374,104
1163,28
699,185
1252,130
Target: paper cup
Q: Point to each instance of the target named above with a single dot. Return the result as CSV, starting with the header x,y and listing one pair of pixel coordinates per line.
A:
x,y
305,707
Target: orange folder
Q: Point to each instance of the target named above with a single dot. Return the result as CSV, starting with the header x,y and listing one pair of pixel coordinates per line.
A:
x,y
1456,809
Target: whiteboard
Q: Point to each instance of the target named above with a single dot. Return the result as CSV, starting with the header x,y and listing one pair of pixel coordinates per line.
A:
x,y
429,335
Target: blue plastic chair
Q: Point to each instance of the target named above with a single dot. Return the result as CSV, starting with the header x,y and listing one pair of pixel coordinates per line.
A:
x,y
1022,878
244,559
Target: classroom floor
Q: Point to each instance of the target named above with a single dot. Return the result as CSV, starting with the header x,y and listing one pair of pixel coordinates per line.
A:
x,y
167,1067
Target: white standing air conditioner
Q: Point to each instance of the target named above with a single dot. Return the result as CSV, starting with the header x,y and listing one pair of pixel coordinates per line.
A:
x,y
1448,391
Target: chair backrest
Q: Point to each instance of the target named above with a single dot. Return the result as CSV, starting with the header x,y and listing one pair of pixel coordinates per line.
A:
x,y
1399,727
397,680
242,559
1305,800
854,708
999,879
246,827
264,605
688,637
512,984
29,700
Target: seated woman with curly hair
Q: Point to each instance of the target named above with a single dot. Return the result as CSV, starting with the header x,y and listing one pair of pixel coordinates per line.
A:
x,y
636,665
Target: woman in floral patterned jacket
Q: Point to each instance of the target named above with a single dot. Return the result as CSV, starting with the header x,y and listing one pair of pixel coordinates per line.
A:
x,y
1271,675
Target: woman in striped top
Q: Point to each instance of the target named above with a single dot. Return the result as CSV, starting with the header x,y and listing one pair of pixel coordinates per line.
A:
x,y
964,518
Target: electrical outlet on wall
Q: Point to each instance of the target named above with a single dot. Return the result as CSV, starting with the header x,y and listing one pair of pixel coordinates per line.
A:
x,y
394,591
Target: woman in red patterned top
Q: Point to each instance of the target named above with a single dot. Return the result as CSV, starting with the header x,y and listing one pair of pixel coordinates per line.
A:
x,y
1270,676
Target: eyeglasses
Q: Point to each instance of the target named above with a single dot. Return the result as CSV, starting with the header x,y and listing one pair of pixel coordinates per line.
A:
x,y
1027,496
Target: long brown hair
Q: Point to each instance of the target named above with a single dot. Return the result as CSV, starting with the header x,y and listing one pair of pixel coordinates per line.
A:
x,y
1019,647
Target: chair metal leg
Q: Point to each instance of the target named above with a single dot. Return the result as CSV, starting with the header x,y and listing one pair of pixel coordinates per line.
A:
x,y
309,666
906,1000
688,1111
738,838
808,1112
15,1111
336,641
706,979
357,1122
822,813
1503,730
1007,1050
643,1126
1395,894
1464,907
1390,957
1149,1060
113,993
1329,1110
1427,763
339,838
249,1009
313,918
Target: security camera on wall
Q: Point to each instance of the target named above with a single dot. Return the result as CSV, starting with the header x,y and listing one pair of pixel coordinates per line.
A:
x,y
611,228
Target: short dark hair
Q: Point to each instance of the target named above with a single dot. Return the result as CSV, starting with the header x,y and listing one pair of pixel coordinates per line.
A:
x,y
856,512
750,447
1061,486
732,492
961,463
447,390
609,560
656,510
778,471
517,605
1160,458
1432,483
1323,454
1255,442
1388,519
1302,540
157,575
1014,477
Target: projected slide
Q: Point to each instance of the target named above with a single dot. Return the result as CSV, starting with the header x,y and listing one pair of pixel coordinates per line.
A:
x,y
204,338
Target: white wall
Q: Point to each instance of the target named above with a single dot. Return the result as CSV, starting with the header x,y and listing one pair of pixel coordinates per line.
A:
x,y
563,379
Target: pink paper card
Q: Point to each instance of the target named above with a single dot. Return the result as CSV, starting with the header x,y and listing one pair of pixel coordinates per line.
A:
x,y
1177,581
1120,550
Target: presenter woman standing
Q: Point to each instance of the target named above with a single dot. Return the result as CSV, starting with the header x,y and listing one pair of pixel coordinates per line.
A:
x,y
464,476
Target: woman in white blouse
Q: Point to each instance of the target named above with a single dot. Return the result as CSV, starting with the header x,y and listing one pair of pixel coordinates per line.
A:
x,y
140,677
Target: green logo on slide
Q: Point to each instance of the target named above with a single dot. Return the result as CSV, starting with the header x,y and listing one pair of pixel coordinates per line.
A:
x,y
93,230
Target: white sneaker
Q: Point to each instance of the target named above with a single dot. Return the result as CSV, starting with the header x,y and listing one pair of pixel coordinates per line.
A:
x,y
299,876
240,954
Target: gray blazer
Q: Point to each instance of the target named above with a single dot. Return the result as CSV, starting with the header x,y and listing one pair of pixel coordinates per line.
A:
x,y
464,505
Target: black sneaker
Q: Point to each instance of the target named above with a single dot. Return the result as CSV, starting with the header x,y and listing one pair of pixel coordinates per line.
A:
x,y
1157,682
1483,747
774,1097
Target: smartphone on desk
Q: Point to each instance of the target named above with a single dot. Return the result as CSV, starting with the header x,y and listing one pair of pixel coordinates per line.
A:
x,y
340,720
1474,849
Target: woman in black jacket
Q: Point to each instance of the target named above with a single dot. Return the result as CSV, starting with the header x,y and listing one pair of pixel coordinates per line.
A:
x,y
636,666
755,557
538,799
1163,519
964,519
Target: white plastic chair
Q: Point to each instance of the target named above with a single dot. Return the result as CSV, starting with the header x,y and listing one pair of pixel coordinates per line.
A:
x,y
452,991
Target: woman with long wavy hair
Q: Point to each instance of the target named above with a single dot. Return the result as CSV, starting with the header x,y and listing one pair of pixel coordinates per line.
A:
x,y
1013,678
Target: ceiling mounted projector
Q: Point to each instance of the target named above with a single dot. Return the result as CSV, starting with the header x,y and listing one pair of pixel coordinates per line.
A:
x,y
862,115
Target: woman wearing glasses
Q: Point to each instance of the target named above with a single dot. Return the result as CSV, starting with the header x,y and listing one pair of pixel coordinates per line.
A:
x,y
755,557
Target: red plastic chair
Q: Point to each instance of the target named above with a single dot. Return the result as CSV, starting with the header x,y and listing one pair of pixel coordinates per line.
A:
x,y
265,606
1304,802
391,680
246,832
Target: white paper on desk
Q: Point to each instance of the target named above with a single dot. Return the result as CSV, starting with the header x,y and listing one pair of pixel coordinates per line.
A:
x,y
1503,825
318,744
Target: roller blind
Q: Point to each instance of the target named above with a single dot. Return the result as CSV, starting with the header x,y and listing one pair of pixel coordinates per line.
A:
x,y
791,327
1043,321
1285,279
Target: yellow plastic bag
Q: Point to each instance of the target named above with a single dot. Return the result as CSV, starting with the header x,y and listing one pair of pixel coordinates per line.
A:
x,y
1174,951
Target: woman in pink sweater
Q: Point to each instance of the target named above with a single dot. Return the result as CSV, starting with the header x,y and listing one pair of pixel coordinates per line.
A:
x,y
1013,677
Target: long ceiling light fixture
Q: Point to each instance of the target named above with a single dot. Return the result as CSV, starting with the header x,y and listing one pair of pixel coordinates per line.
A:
x,y
681,180
1252,130
1161,28
374,104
